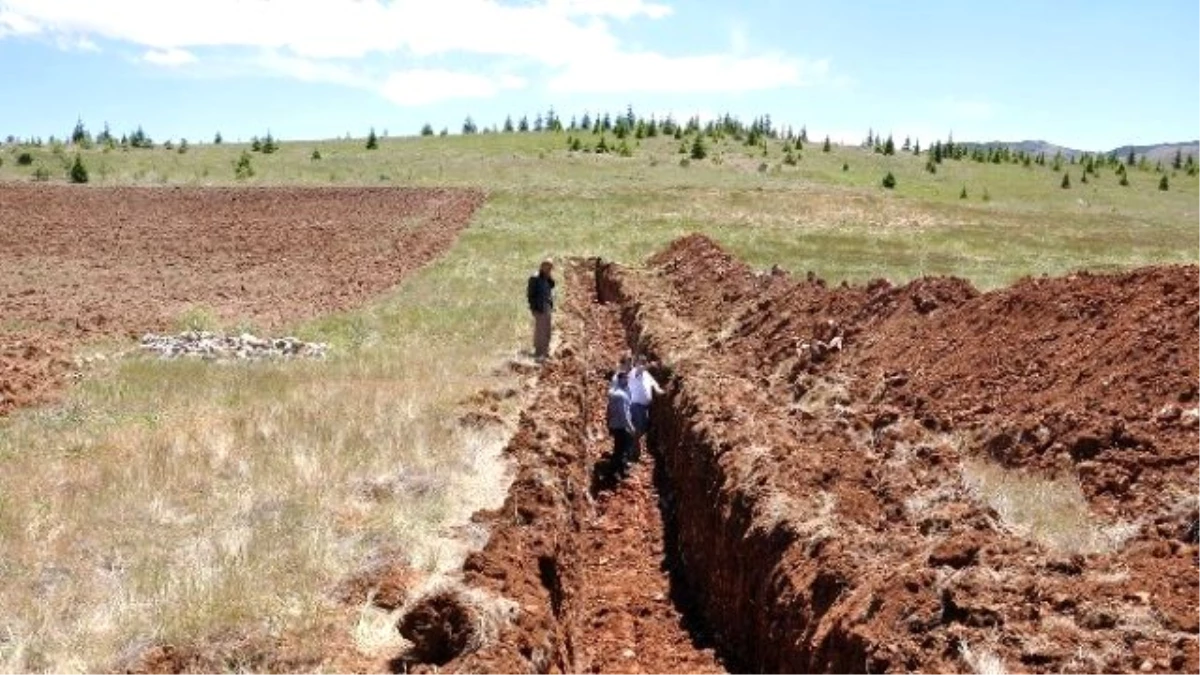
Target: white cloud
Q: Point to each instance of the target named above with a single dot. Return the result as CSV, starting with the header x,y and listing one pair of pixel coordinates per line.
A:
x,y
649,71
617,9
357,42
12,23
422,86
310,70
336,28
169,57
75,44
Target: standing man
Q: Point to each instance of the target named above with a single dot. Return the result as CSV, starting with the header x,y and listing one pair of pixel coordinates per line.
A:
x,y
620,423
642,388
540,294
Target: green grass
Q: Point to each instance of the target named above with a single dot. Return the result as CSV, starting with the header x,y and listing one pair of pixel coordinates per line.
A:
x,y
167,501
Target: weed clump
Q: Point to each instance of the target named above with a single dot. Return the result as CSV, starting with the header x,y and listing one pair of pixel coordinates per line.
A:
x,y
243,169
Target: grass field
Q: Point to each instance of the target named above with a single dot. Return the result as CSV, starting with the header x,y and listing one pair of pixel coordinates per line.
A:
x,y
172,501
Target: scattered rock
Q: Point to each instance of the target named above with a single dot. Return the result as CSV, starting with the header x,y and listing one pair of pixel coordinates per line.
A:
x,y
1190,418
213,346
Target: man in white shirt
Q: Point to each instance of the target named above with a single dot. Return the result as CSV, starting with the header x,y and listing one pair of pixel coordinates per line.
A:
x,y
642,388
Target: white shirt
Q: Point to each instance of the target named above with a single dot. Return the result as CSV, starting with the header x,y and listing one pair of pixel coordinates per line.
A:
x,y
641,386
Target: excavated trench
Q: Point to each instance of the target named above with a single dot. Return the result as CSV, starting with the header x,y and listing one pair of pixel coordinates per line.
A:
x,y
590,561
670,570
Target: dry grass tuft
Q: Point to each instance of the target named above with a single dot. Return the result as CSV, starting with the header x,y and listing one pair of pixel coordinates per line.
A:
x,y
1052,512
981,661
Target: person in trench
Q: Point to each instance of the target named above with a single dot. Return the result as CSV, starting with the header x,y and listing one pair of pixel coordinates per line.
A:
x,y
539,292
642,389
620,424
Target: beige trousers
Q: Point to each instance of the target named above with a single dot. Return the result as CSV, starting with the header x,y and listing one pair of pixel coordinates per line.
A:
x,y
541,333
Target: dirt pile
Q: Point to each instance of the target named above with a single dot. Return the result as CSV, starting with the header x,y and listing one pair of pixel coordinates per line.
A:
x,y
78,264
891,482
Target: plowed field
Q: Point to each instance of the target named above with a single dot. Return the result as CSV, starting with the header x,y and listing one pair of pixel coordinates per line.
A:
x,y
855,479
81,263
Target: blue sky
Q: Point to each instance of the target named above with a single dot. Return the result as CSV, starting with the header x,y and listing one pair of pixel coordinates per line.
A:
x,y
1090,75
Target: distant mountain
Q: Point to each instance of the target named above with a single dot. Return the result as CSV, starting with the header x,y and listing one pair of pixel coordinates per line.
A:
x,y
1162,151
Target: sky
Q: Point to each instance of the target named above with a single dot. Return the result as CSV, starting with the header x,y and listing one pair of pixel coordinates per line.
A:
x,y
1088,74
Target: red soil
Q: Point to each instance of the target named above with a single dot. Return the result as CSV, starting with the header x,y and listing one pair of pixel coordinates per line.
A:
x,y
78,264
809,461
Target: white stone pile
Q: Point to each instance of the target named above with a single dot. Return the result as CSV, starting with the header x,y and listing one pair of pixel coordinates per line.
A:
x,y
214,346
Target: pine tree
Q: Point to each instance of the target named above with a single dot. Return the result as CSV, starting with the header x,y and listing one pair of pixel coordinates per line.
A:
x,y
825,147
870,142
1177,164
79,172
803,133
469,127
427,129
539,124
508,124
1124,182
917,148
937,152
269,145
586,122
845,166
698,151
372,140
523,125
963,193
889,147
1131,159
907,145
80,136
1066,181
1083,178
315,156
217,140
889,181
1162,183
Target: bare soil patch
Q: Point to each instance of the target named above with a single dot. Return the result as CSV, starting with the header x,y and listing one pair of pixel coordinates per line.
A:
x,y
82,263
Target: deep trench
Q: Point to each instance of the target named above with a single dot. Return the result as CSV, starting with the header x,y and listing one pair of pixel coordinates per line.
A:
x,y
728,577
683,595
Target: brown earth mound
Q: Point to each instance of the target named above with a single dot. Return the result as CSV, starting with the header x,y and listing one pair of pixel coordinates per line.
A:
x,y
81,263
860,479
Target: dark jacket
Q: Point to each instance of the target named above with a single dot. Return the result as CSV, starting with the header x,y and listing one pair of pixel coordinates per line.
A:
x,y
619,412
540,293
